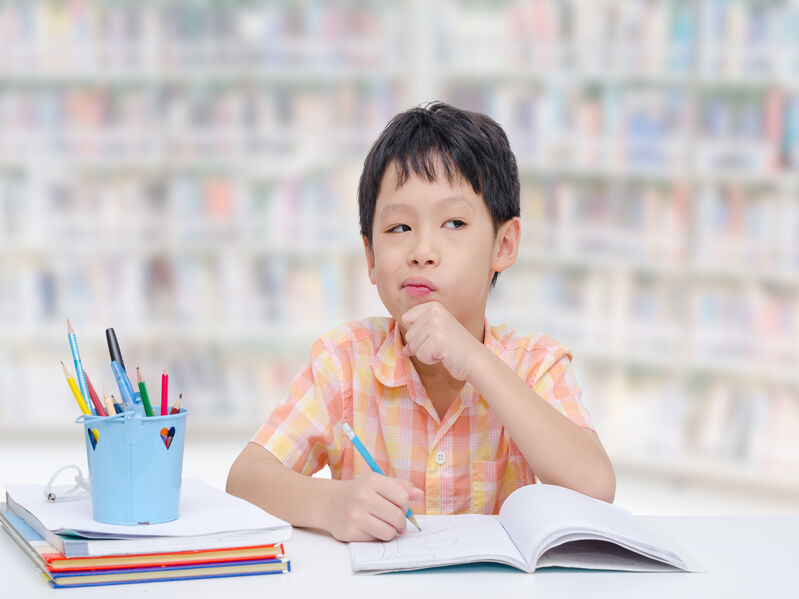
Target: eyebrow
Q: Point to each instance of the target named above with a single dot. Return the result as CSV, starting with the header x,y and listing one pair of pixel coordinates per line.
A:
x,y
403,208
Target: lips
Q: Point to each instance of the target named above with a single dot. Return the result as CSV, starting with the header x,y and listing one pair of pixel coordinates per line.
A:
x,y
418,286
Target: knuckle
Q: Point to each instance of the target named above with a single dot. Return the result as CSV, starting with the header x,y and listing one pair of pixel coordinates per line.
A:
x,y
353,516
387,533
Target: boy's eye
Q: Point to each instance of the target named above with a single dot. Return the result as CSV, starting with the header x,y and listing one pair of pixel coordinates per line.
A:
x,y
399,229
454,223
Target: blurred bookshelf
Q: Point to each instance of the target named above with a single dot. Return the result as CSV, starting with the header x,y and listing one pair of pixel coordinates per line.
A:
x,y
187,172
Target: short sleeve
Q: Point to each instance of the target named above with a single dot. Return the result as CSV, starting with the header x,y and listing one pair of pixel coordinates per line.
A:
x,y
299,432
555,381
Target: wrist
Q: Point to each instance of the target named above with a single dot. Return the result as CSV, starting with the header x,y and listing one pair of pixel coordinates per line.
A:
x,y
323,504
477,358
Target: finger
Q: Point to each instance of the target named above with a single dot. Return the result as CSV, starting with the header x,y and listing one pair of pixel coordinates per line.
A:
x,y
380,529
414,492
394,491
413,314
419,327
428,347
390,513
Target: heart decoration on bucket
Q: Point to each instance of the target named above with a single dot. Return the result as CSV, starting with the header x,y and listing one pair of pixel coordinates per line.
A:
x,y
94,436
167,436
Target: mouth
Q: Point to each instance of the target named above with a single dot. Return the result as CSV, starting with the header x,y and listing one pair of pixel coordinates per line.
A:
x,y
418,287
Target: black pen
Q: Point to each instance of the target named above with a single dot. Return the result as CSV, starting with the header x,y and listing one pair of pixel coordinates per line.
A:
x,y
113,347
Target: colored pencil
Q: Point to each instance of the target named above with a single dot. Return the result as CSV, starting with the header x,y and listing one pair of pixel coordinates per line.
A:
x,y
109,404
176,407
73,346
371,462
164,391
76,392
145,397
118,405
98,406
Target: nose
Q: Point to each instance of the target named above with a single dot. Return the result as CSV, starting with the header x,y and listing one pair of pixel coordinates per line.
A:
x,y
423,252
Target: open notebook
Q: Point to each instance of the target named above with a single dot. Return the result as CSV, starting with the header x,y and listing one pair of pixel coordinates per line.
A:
x,y
538,526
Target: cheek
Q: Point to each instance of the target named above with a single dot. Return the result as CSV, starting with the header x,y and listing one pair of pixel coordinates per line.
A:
x,y
386,260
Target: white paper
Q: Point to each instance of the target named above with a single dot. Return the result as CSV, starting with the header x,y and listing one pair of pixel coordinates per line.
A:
x,y
539,516
204,510
443,540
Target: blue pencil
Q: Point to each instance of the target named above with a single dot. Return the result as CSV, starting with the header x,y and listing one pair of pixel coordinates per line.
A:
x,y
73,345
372,464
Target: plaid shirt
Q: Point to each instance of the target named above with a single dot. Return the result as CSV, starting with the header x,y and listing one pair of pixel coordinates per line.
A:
x,y
465,463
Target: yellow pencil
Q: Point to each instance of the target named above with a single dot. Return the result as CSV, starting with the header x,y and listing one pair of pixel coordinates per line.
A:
x,y
76,392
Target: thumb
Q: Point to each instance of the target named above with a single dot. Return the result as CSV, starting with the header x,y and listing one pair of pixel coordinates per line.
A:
x,y
414,492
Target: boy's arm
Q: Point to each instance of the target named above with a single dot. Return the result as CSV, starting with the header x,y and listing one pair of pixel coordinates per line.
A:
x,y
368,508
559,451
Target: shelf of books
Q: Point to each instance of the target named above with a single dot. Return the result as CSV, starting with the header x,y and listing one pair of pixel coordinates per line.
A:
x,y
187,173
658,144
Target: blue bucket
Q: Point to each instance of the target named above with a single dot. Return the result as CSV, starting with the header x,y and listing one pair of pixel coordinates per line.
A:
x,y
135,466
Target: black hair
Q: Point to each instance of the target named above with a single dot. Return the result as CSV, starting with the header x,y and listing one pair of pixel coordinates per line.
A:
x,y
469,145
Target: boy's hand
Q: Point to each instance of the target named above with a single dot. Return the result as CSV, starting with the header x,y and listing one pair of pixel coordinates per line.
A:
x,y
434,335
370,508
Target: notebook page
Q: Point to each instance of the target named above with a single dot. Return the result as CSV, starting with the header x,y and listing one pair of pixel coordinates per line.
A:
x,y
535,516
600,555
204,510
443,540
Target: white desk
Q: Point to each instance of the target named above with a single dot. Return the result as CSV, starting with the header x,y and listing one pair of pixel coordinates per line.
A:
x,y
746,556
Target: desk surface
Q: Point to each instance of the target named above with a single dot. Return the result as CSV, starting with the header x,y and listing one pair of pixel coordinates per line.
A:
x,y
745,556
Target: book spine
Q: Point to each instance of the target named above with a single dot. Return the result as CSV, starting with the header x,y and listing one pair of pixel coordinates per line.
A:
x,y
55,540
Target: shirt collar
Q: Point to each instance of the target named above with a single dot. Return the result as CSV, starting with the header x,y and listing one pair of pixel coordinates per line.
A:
x,y
390,366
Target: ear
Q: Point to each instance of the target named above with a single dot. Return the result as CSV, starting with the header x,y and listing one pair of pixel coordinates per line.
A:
x,y
506,245
370,258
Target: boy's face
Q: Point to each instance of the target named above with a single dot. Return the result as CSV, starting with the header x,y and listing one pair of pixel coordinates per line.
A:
x,y
436,241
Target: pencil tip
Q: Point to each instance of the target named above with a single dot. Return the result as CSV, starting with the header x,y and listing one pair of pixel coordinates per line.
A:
x,y
412,518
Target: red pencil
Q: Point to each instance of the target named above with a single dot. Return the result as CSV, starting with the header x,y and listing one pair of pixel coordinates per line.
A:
x,y
164,391
98,405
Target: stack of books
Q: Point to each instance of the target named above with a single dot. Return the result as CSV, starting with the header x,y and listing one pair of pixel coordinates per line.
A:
x,y
216,535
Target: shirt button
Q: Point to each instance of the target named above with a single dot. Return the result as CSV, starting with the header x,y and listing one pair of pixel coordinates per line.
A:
x,y
441,457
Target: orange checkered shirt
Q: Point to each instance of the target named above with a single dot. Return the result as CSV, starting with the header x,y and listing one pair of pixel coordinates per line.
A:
x,y
465,463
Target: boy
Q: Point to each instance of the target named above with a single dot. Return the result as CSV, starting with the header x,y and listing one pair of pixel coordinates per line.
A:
x,y
457,414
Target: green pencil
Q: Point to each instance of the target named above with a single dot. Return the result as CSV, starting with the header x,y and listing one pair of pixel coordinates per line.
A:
x,y
145,399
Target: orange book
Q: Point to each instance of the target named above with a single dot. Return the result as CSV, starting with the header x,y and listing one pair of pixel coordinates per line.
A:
x,y
56,561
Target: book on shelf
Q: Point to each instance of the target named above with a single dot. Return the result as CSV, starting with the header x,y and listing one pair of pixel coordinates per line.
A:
x,y
61,571
538,526
209,519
